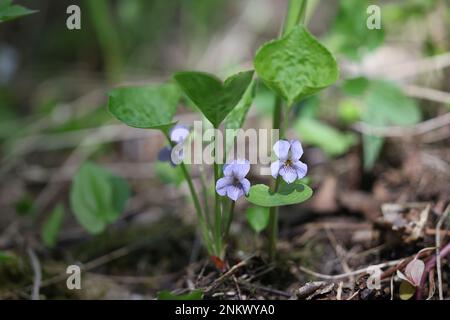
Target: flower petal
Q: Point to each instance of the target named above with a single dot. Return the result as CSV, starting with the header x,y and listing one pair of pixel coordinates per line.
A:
x,y
234,192
164,154
296,150
245,185
414,271
177,154
237,168
275,168
288,173
179,133
281,149
301,168
222,185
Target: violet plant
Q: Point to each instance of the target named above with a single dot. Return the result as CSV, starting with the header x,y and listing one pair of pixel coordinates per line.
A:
x,y
294,66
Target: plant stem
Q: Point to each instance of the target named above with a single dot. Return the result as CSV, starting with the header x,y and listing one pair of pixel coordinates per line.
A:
x,y
198,208
217,206
273,211
230,219
295,15
107,37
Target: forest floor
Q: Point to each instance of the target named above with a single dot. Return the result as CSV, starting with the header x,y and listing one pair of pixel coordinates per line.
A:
x,y
354,221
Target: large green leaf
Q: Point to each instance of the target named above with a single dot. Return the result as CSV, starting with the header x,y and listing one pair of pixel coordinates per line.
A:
x,y
150,107
214,98
295,66
350,34
8,11
236,118
258,217
52,226
97,197
385,105
329,139
287,194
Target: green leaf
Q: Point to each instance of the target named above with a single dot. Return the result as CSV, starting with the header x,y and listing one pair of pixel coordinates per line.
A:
x,y
169,174
149,107
52,226
356,86
407,290
5,257
385,105
214,98
25,206
236,118
371,150
258,217
287,194
121,194
8,11
193,295
316,133
350,33
97,197
296,65
349,111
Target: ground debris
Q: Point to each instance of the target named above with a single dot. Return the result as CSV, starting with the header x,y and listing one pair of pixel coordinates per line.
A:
x,y
314,289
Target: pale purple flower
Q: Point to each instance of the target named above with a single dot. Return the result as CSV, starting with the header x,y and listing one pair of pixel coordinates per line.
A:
x,y
234,184
413,272
178,135
288,165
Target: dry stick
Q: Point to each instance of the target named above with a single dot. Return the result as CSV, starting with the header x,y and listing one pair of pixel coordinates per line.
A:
x,y
37,273
266,289
411,68
227,274
102,260
438,254
426,93
398,131
340,253
348,274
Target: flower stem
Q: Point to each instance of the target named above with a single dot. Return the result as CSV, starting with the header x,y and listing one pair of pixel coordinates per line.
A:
x,y
198,208
295,15
217,206
273,211
230,219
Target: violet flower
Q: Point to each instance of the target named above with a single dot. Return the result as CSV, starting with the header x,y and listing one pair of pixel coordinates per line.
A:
x,y
234,184
178,135
288,164
413,272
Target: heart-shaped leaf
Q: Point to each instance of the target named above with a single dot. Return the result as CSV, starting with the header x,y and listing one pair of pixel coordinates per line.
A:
x,y
287,194
236,118
385,105
149,107
214,98
258,217
329,139
97,197
296,65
